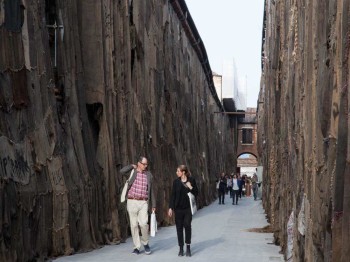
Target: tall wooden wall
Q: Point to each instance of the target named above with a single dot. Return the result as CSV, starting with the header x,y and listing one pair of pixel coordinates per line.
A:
x,y
304,127
125,82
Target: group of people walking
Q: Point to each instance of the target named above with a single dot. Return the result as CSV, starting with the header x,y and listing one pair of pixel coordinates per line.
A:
x,y
140,193
236,186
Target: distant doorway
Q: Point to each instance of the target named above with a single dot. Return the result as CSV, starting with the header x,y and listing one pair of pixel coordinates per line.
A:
x,y
247,164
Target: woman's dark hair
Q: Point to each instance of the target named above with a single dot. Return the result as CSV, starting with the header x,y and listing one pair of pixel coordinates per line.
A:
x,y
184,168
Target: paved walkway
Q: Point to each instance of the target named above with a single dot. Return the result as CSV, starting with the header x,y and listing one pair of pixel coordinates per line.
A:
x,y
219,234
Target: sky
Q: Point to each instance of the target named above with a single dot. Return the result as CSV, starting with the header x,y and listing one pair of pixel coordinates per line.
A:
x,y
232,29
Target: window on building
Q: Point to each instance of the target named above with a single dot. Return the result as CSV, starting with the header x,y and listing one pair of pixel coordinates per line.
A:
x,y
247,136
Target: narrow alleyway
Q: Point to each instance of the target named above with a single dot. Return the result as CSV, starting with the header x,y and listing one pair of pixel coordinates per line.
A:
x,y
220,233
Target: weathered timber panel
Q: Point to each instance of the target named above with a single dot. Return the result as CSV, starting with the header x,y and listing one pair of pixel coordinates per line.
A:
x,y
304,127
128,82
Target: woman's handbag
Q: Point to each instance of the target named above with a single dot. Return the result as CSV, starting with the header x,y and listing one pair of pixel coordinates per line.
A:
x,y
193,203
153,225
125,188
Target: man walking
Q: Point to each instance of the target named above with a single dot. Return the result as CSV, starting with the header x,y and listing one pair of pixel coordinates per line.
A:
x,y
255,182
222,187
240,185
138,195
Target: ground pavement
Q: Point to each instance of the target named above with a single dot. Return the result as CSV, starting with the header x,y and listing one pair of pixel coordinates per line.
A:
x,y
219,233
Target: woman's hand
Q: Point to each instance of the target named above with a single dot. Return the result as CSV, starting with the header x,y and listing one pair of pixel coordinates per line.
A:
x,y
170,212
188,184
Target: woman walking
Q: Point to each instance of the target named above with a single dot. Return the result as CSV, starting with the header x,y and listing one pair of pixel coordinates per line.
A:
x,y
180,204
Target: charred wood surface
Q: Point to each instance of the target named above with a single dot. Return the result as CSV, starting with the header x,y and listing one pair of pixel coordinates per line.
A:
x,y
85,88
304,127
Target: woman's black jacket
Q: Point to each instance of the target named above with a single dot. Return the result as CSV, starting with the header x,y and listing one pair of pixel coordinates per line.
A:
x,y
179,198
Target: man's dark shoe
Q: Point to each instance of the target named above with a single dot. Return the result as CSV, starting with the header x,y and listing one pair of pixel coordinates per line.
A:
x,y
181,251
136,251
147,249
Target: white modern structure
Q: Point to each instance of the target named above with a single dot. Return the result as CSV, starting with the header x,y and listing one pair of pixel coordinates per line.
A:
x,y
217,79
233,86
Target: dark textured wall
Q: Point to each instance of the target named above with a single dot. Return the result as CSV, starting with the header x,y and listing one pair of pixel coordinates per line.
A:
x,y
128,82
304,127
